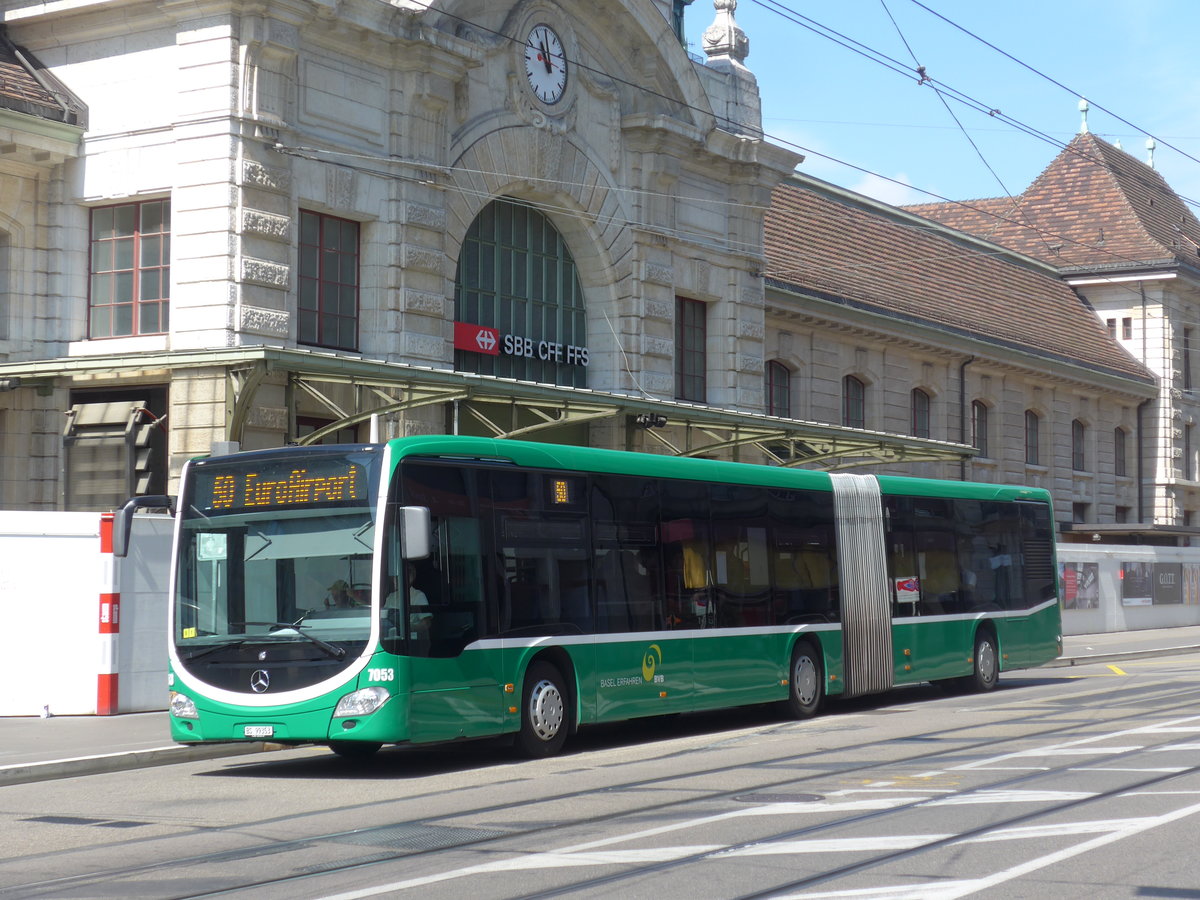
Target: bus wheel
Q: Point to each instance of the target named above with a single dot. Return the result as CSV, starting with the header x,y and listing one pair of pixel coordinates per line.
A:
x,y
354,749
987,665
806,688
543,712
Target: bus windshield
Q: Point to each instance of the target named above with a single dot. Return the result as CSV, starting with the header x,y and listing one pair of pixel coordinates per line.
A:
x,y
276,551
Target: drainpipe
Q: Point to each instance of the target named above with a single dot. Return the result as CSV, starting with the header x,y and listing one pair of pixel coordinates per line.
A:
x,y
1141,455
963,410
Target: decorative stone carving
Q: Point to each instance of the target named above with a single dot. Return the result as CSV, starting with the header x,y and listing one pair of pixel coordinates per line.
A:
x,y
268,225
261,271
269,178
268,322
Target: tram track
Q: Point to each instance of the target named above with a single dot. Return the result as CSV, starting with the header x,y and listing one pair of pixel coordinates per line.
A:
x,y
1097,700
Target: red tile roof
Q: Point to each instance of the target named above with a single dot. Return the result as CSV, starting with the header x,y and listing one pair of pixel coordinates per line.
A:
x,y
833,245
1093,208
26,86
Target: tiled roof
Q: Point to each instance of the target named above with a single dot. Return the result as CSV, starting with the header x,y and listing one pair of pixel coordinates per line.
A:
x,y
836,246
26,86
1094,207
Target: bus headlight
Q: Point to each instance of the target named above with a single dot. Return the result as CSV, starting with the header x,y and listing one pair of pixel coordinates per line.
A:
x,y
361,702
182,707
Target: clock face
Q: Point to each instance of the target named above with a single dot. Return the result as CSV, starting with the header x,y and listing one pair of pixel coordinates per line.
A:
x,y
545,64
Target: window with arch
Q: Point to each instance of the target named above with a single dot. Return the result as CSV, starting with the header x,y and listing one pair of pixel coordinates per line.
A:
x,y
517,276
1078,446
920,413
778,389
979,427
1120,451
1033,425
854,402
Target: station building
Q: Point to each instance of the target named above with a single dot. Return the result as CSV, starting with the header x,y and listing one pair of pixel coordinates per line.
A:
x,y
262,224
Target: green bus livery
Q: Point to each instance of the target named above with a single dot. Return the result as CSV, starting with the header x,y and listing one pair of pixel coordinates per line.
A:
x,y
438,588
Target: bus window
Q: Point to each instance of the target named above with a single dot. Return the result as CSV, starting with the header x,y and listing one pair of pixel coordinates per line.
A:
x,y
627,562
452,578
741,558
687,556
803,568
541,542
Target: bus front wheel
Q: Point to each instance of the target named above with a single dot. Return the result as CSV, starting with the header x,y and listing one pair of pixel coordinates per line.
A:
x,y
544,712
806,685
987,665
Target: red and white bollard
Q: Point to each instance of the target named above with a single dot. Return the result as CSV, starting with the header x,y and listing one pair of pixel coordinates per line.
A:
x,y
110,620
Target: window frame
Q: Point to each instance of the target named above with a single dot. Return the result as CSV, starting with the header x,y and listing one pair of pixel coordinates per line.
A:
x,y
854,402
979,427
919,406
137,275
1033,424
314,321
778,389
691,345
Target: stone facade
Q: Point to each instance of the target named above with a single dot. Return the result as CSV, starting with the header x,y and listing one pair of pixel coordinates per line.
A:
x,y
409,122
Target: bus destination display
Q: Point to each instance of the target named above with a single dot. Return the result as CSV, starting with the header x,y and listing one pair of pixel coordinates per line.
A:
x,y
313,481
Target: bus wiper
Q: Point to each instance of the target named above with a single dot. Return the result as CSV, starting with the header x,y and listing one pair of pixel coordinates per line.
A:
x,y
335,652
215,647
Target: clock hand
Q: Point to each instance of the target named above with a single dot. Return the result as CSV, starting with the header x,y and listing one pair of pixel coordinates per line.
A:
x,y
546,57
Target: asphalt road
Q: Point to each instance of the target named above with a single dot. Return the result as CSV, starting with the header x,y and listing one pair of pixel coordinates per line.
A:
x,y
1078,781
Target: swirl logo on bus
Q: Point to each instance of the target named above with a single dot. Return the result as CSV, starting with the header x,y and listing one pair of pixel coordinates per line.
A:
x,y
650,663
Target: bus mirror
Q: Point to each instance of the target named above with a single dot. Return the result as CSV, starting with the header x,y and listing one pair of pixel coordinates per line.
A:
x,y
415,527
123,519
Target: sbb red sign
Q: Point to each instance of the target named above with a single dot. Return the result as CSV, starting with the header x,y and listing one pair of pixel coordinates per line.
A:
x,y
476,338
482,339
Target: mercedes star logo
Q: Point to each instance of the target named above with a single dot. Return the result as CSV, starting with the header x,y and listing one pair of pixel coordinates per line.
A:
x,y
260,680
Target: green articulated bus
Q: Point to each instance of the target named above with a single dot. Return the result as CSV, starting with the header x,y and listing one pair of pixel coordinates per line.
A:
x,y
438,588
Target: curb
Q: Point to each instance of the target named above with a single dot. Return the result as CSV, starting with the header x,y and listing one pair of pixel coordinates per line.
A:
x,y
1066,661
25,773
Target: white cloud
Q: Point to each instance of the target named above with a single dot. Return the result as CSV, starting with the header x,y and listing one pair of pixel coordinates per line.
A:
x,y
897,191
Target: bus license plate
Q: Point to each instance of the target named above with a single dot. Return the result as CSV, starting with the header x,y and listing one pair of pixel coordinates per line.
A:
x,y
259,731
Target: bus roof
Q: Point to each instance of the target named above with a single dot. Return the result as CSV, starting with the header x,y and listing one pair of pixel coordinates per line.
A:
x,y
653,465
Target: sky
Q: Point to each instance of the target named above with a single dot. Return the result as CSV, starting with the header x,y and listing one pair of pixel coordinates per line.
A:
x,y
866,126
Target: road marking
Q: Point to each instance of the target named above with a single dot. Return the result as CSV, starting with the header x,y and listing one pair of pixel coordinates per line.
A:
x,y
835,845
1117,670
974,797
956,889
1129,769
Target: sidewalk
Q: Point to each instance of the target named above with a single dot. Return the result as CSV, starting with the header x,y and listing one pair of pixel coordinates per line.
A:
x,y
34,749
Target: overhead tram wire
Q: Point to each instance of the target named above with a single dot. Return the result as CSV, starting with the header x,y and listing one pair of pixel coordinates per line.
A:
x,y
1056,83
945,103
921,78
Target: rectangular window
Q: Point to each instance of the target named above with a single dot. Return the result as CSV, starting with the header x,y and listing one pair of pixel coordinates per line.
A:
x,y
129,286
1127,328
1187,359
1119,451
1032,424
979,428
327,314
691,338
1078,442
1111,325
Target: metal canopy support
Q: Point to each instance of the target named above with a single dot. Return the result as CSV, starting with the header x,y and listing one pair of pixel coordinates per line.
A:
x,y
507,407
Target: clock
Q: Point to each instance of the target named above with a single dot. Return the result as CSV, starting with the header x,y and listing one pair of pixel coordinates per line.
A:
x,y
545,64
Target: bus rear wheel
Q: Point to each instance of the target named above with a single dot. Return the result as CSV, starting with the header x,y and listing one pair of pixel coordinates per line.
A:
x,y
544,712
806,683
987,665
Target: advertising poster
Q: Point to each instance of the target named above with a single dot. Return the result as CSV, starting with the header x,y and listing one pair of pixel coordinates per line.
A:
x,y
1137,583
1081,585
